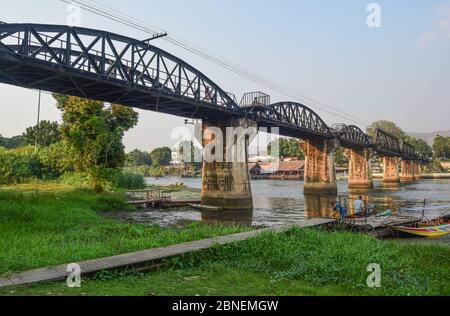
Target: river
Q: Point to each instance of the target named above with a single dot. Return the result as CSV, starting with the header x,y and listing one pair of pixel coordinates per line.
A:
x,y
283,202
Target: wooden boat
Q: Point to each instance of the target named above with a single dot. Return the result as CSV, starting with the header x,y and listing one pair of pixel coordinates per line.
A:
x,y
427,231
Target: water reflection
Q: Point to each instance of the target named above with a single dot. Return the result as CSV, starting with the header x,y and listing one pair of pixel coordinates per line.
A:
x,y
319,206
282,202
234,217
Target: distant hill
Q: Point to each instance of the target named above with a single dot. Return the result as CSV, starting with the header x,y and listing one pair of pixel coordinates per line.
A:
x,y
429,137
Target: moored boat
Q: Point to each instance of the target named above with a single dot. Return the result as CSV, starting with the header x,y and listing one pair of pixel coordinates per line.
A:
x,y
426,231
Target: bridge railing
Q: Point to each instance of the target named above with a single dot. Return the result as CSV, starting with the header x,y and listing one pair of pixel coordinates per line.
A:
x,y
257,98
113,56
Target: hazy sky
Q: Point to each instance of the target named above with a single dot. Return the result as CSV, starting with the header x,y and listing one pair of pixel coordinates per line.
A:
x,y
322,49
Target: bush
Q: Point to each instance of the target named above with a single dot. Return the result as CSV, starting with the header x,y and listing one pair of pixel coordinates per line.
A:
x,y
55,161
129,180
18,166
147,171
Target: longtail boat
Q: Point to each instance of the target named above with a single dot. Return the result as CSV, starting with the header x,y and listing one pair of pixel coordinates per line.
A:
x,y
428,231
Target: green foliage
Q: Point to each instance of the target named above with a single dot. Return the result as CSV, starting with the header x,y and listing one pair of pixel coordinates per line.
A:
x,y
75,179
25,163
93,135
388,126
441,147
138,158
340,158
298,262
146,171
41,228
56,160
435,167
161,156
129,180
324,258
12,143
286,148
47,132
17,166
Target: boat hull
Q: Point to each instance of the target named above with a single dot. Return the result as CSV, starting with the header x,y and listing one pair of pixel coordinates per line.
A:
x,y
435,231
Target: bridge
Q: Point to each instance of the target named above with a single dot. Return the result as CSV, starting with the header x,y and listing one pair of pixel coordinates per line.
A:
x,y
112,68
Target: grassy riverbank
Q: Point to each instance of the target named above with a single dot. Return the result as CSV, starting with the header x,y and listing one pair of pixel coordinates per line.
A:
x,y
56,224
50,224
299,262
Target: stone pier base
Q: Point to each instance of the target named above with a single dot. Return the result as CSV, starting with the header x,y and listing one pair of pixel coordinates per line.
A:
x,y
391,175
417,171
225,182
407,175
360,169
320,175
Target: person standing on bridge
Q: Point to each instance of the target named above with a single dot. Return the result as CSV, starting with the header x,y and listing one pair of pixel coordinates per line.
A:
x,y
358,205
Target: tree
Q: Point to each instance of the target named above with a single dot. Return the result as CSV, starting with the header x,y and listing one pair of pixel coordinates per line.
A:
x,y
388,126
13,142
339,158
93,134
2,141
138,158
161,156
287,148
48,133
441,147
419,145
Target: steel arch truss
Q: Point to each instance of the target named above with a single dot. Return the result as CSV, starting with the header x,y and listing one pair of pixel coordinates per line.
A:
x,y
387,144
106,67
408,152
353,136
293,119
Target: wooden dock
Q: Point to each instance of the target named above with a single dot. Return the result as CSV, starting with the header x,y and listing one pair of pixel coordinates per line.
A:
x,y
381,226
156,199
140,257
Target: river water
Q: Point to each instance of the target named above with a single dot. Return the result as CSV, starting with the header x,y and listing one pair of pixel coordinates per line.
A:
x,y
283,202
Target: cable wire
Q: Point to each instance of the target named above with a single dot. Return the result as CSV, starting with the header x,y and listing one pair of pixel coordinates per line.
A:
x,y
123,18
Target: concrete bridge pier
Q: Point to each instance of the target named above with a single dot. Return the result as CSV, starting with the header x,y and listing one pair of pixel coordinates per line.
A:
x,y
360,169
320,174
225,177
417,171
408,171
391,175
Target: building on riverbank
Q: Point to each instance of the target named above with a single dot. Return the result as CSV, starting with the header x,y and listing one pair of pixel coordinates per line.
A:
x,y
283,170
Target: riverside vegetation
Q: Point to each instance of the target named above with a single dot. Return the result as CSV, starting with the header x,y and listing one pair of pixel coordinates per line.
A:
x,y
53,198
51,224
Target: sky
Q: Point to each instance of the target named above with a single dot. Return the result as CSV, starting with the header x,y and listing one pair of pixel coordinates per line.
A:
x,y
323,49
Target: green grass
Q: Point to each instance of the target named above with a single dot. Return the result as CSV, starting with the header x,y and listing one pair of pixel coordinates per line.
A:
x,y
50,224
44,228
299,262
216,280
129,180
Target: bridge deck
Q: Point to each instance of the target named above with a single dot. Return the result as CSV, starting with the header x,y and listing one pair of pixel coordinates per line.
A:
x,y
140,257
